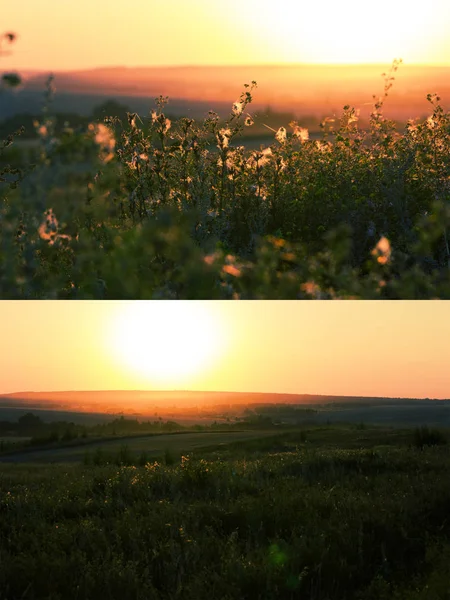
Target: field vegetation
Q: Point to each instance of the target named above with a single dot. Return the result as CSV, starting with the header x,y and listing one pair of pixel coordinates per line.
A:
x,y
151,207
49,429
30,434
324,513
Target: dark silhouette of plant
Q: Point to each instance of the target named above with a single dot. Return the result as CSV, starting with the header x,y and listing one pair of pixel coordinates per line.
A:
x,y
110,108
10,80
426,436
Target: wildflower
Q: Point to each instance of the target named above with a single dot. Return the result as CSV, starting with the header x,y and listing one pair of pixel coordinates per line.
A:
x,y
210,258
167,124
311,288
249,121
238,109
301,133
382,251
259,159
232,158
353,117
281,164
231,270
223,137
261,191
327,120
281,136
48,229
41,129
277,242
411,126
132,119
323,146
104,137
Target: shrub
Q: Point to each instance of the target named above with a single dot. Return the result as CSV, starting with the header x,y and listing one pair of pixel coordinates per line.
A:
x,y
169,457
124,456
87,458
426,436
49,438
181,210
69,435
98,457
143,459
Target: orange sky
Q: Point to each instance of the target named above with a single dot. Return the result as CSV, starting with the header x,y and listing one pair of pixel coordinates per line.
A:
x,y
342,348
61,34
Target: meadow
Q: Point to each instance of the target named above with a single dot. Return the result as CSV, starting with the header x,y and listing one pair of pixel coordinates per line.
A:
x,y
152,207
324,513
135,447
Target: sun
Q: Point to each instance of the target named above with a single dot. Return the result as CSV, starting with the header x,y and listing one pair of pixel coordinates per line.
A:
x,y
167,344
350,32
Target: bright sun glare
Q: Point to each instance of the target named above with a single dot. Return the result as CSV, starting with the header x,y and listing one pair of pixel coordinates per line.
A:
x,y
333,32
167,343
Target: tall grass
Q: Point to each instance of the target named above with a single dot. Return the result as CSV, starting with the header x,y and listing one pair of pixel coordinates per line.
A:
x,y
426,436
315,521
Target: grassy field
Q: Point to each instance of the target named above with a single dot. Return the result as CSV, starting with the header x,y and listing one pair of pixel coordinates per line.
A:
x,y
331,513
153,445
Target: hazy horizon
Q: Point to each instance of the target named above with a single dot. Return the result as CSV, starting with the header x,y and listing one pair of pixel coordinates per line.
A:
x,y
162,67
181,391
300,91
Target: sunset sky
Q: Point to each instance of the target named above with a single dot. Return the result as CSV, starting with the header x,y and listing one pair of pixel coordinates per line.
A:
x,y
67,35
342,348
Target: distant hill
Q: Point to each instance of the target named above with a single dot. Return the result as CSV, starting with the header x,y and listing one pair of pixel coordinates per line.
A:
x,y
136,400
30,101
305,89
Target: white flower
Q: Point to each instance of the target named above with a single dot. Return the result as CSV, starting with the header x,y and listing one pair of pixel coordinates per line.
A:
x,y
238,109
223,137
281,136
301,133
259,159
382,251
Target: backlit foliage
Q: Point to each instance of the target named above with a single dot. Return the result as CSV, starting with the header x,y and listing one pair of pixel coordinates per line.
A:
x,y
155,207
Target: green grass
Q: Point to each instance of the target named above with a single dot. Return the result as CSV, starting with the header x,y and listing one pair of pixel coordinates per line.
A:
x,y
154,445
323,513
